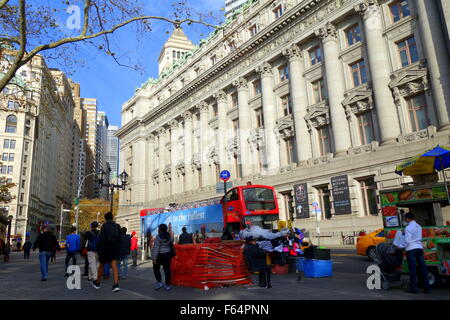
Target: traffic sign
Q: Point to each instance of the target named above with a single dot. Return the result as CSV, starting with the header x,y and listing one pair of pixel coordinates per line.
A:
x,y
225,175
76,201
315,204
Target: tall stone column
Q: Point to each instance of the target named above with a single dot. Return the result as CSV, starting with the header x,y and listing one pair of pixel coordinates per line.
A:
x,y
244,126
205,138
379,71
270,115
335,85
162,162
438,60
222,105
299,101
150,149
175,154
188,151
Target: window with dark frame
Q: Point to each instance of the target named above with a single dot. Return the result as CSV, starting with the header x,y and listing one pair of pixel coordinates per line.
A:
x,y
286,104
365,125
417,109
353,34
256,87
318,88
368,189
283,71
358,70
324,140
407,51
259,118
278,11
324,201
399,10
315,55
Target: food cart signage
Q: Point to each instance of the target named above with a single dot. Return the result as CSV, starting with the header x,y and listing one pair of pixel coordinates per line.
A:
x,y
341,195
412,196
301,201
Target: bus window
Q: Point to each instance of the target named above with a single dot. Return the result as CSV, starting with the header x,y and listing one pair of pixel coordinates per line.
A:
x,y
259,199
231,195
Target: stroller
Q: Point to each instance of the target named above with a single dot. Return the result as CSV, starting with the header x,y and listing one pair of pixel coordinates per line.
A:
x,y
389,259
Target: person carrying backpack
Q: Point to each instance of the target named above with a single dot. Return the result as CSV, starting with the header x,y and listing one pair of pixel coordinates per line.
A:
x,y
108,248
91,241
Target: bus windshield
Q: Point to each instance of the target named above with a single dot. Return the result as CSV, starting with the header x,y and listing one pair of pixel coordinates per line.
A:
x,y
259,199
268,221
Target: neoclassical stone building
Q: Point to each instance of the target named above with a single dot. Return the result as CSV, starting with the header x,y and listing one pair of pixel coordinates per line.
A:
x,y
328,95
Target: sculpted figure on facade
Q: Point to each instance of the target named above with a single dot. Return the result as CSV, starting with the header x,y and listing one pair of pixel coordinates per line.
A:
x,y
327,32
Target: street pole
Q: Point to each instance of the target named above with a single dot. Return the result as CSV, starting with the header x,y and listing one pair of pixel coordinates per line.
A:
x,y
317,226
78,197
60,221
112,199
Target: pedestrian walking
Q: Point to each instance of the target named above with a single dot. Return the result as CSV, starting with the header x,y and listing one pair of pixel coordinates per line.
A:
x,y
414,253
73,243
26,248
109,250
53,257
91,241
83,252
126,246
19,245
46,242
162,253
185,237
134,248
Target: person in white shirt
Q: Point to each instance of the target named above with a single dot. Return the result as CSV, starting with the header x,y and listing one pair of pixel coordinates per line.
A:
x,y
414,253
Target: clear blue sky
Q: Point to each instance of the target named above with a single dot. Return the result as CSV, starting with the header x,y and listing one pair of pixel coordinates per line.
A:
x,y
111,84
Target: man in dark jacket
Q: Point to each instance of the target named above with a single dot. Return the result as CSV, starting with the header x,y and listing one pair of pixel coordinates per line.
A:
x,y
109,250
90,242
26,248
46,242
185,238
255,258
125,245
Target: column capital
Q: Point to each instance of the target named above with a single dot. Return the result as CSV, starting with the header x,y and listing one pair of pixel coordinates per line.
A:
x,y
327,32
368,8
151,137
220,96
161,131
265,69
187,115
241,84
174,124
203,106
293,53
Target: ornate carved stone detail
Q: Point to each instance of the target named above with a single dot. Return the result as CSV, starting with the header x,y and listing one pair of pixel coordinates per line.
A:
x,y
424,134
203,106
174,124
155,176
213,155
293,53
327,32
284,128
368,8
167,172
233,148
220,96
358,101
256,139
265,69
196,161
321,160
371,147
187,115
180,168
161,131
318,115
241,83
408,82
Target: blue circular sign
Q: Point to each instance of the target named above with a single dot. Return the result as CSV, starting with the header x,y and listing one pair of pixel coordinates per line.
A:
x,y
315,204
225,175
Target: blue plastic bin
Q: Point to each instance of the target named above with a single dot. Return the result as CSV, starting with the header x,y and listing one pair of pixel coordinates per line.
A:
x,y
300,261
317,268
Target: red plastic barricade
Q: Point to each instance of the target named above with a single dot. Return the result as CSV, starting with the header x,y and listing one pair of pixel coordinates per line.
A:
x,y
209,264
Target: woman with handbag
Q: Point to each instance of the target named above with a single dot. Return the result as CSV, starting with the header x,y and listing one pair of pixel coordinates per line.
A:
x,y
162,253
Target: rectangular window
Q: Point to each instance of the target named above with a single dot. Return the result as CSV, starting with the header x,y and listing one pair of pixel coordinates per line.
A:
x,y
6,144
11,157
257,87
365,128
324,140
9,181
315,55
24,170
215,110
3,169
368,189
23,184
10,104
253,30
13,144
318,91
353,35
290,150
259,118
358,70
21,197
417,112
5,157
235,127
407,51
289,205
399,10
234,100
278,12
213,59
238,167
283,72
324,201
25,158
286,104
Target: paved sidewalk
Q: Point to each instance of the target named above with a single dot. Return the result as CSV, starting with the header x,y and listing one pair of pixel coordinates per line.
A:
x,y
20,280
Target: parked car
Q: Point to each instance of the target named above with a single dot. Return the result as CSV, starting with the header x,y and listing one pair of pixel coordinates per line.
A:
x,y
365,245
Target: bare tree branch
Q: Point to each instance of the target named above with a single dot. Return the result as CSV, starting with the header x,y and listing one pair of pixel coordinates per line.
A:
x,y
3,3
87,6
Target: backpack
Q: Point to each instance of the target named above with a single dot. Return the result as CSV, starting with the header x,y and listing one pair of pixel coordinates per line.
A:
x,y
114,235
93,245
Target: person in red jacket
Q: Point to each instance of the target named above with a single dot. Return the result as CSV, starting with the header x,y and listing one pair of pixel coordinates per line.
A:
x,y
134,248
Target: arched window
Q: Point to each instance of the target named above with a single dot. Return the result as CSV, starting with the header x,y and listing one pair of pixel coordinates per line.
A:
x,y
11,124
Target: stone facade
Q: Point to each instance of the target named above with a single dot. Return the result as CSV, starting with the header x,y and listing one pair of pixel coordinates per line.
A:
x,y
325,89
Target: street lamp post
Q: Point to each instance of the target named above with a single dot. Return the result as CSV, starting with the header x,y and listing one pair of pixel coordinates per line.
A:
x,y
8,239
61,220
123,179
78,198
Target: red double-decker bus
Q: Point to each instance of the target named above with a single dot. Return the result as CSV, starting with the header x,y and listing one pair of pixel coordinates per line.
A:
x,y
250,205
